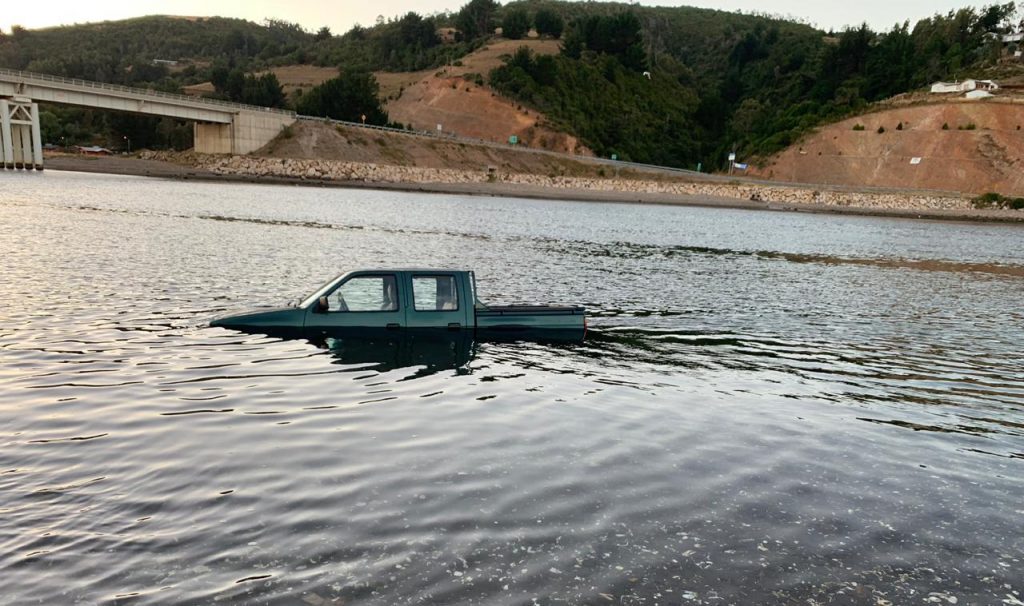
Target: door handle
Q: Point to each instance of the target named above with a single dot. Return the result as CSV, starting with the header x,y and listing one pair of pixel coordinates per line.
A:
x,y
393,326
454,326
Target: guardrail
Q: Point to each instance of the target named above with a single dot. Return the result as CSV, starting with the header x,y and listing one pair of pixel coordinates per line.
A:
x,y
27,77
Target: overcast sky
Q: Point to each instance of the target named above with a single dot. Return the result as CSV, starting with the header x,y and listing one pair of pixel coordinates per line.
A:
x,y
340,15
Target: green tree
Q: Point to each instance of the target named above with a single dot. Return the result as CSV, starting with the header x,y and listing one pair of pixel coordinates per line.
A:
x,y
324,33
516,24
348,97
548,23
620,35
262,90
476,19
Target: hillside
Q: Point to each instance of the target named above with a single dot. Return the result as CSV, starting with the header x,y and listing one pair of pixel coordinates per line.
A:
x,y
677,86
981,149
459,99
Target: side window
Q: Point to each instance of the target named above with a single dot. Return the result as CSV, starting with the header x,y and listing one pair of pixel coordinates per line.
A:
x,y
365,293
435,293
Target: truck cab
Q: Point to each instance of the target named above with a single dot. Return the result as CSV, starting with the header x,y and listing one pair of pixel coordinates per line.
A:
x,y
394,299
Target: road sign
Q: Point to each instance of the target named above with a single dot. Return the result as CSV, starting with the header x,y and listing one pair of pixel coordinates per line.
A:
x,y
513,140
615,156
732,157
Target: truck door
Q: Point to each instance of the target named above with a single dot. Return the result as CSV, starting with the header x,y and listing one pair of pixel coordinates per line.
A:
x,y
363,302
438,302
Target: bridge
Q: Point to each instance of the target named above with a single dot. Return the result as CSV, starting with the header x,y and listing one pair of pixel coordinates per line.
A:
x,y
220,127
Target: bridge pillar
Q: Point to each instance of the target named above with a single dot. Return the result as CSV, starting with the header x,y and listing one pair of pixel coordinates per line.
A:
x,y
247,132
20,143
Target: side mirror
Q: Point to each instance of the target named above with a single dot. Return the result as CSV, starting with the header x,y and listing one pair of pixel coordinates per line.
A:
x,y
322,305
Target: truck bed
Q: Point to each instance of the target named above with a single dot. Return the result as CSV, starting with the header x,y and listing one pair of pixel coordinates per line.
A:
x,y
550,320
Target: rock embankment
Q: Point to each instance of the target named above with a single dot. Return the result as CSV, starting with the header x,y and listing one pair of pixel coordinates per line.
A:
x,y
328,170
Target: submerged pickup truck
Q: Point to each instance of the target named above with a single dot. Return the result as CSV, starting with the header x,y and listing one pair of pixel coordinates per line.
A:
x,y
397,299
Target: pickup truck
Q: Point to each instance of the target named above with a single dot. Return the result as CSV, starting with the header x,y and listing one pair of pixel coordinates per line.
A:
x,y
399,299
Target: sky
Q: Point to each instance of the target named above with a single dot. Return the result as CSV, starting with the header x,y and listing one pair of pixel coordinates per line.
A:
x,y
341,15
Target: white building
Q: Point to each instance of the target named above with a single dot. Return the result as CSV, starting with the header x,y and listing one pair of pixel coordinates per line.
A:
x,y
964,87
940,88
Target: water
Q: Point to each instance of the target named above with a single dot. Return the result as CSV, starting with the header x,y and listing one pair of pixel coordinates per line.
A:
x,y
771,407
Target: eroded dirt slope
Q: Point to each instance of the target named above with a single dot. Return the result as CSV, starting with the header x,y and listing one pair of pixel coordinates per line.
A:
x,y
453,98
317,140
981,149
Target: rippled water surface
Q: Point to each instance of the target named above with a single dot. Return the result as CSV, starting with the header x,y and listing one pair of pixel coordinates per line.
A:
x,y
770,407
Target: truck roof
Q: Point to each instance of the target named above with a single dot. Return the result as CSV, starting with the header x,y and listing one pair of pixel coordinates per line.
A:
x,y
415,270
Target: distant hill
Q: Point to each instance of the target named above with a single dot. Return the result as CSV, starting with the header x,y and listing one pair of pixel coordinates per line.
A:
x,y
144,50
675,86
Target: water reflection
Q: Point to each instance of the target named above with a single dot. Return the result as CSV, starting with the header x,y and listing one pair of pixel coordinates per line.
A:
x,y
431,353
431,350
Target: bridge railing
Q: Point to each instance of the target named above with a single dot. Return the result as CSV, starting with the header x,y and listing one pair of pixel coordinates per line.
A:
x,y
27,77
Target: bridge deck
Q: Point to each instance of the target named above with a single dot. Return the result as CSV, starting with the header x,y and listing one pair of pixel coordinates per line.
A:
x,y
56,89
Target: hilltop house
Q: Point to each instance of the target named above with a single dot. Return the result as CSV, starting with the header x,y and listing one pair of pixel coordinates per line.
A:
x,y
966,86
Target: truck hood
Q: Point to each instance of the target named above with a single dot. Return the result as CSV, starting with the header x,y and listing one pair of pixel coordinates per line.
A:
x,y
280,317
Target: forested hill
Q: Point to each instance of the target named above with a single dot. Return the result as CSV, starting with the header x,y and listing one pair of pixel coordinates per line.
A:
x,y
673,86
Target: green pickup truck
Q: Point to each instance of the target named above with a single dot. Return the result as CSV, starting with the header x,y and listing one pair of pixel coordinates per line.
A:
x,y
369,301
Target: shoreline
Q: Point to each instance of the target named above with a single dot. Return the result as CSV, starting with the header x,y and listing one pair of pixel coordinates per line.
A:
x,y
159,168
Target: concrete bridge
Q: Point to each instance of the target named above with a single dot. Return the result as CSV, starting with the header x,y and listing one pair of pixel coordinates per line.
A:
x,y
220,127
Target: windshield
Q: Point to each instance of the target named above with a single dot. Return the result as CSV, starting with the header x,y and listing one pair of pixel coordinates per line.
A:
x,y
323,290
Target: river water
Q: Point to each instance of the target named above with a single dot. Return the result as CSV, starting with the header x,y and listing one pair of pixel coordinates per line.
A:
x,y
769,408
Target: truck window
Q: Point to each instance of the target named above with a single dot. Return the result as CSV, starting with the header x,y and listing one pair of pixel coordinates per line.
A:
x,y
435,293
365,293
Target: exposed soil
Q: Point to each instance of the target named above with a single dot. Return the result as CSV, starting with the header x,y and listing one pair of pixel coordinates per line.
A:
x,y
981,150
453,98
314,140
123,165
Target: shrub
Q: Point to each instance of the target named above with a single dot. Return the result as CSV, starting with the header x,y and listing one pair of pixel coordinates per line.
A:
x,y
858,127
995,200
899,126
945,126
881,130
971,126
